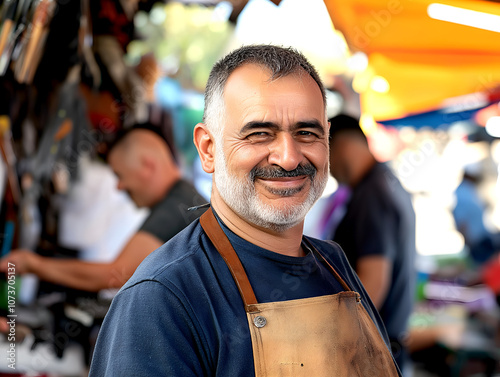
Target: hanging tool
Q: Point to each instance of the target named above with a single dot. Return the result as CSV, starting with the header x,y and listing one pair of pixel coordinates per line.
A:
x,y
20,22
8,23
85,42
39,29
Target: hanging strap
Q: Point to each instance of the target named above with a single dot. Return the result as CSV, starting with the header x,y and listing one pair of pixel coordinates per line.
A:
x,y
328,265
219,239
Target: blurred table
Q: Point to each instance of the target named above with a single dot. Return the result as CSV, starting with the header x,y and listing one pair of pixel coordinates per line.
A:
x,y
461,323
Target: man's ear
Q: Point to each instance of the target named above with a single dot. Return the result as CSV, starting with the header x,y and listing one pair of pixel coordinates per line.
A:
x,y
148,165
205,145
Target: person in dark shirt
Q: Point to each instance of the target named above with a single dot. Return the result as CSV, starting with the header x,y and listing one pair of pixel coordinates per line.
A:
x,y
241,291
147,171
469,216
377,230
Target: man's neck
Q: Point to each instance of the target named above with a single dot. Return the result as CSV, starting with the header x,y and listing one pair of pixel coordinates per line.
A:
x,y
287,242
360,169
165,184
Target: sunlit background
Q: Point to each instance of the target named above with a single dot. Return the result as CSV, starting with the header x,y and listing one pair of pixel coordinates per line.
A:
x,y
423,77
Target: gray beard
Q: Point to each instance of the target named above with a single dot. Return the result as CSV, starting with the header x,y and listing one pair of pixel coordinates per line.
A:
x,y
242,198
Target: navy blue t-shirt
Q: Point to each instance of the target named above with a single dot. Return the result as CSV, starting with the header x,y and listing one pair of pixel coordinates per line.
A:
x,y
277,277
181,313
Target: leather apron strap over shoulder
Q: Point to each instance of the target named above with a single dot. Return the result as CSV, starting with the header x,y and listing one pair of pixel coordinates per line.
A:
x,y
330,335
328,265
217,236
219,239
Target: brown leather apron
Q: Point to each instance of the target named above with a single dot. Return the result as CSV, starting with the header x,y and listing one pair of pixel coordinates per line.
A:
x,y
330,335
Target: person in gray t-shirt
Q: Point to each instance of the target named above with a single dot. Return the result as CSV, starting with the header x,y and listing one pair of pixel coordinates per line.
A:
x,y
146,169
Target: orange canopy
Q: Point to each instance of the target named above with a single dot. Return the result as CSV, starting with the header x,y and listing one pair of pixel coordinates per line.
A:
x,y
424,60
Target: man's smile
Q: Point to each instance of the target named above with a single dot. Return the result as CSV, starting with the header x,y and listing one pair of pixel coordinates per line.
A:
x,y
281,182
284,186
285,182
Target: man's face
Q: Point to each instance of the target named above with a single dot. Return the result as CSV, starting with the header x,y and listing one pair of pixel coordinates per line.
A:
x,y
129,176
272,164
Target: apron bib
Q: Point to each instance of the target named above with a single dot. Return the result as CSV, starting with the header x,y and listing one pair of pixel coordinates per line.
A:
x,y
330,335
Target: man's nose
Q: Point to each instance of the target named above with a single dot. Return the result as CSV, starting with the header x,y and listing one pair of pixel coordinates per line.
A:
x,y
285,151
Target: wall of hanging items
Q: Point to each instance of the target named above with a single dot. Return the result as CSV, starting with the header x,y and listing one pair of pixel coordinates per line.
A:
x,y
41,114
65,91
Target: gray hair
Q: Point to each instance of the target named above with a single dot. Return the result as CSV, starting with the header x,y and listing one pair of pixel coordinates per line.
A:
x,y
281,61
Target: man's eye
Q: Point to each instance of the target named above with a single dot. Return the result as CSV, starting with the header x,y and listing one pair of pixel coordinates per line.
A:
x,y
260,135
307,134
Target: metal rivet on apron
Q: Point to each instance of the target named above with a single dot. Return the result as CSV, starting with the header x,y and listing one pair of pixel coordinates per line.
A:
x,y
358,299
259,321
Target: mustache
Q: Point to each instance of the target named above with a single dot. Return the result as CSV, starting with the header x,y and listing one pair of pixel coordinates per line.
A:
x,y
278,172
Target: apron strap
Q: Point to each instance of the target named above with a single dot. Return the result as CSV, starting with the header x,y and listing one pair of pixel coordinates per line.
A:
x,y
325,262
219,239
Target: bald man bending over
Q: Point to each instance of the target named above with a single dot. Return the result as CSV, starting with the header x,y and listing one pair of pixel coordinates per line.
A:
x,y
146,169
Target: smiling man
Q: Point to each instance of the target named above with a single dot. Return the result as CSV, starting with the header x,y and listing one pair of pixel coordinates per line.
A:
x,y
242,292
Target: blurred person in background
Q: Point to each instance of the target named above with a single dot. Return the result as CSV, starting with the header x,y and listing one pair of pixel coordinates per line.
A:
x,y
376,229
147,171
469,212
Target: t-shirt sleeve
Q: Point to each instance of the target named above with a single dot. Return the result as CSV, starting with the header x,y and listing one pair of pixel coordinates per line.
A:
x,y
148,332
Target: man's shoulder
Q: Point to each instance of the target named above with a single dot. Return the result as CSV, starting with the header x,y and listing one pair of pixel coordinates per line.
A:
x,y
184,190
335,255
172,214
327,244
328,248
380,190
180,197
386,181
